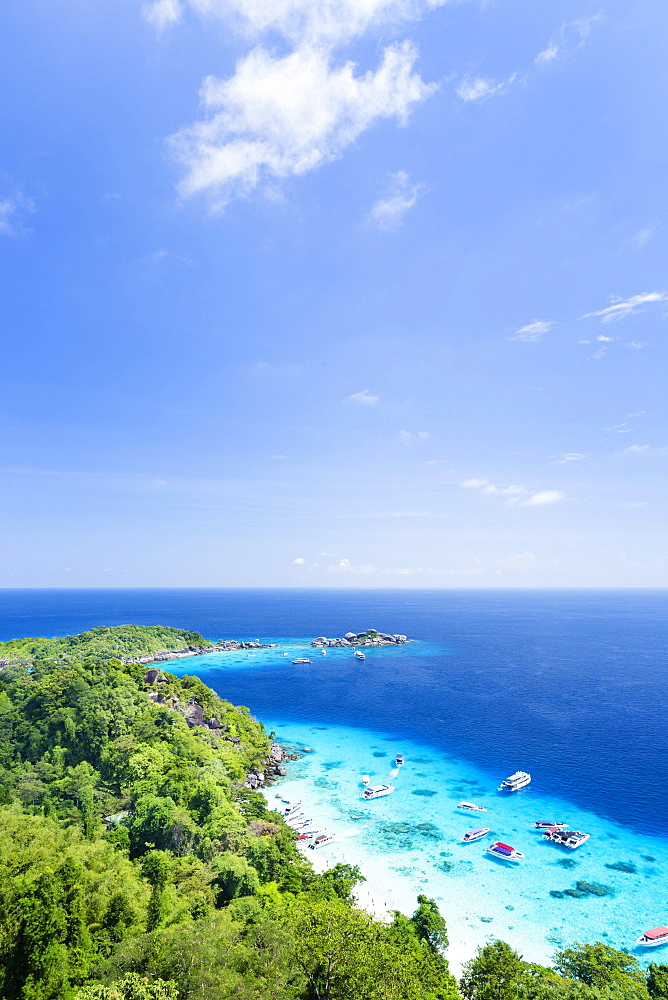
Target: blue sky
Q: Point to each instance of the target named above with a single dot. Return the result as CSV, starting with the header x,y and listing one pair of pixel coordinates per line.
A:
x,y
311,293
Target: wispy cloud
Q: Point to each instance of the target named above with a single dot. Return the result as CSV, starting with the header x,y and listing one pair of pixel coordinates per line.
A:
x,y
162,13
411,437
480,88
568,457
400,196
300,561
571,36
13,208
621,308
514,494
532,331
364,398
517,561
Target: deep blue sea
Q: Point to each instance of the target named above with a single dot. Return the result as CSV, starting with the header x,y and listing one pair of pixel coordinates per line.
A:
x,y
568,685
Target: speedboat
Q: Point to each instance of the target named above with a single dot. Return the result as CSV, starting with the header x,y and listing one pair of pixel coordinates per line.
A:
x,y
473,835
504,851
302,659
294,818
292,807
520,779
321,841
365,779
323,652
566,838
545,824
399,759
359,655
376,791
471,807
653,938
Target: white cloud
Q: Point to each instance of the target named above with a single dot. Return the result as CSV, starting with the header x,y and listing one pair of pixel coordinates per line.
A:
x,y
571,37
621,308
638,449
486,487
12,207
480,88
642,237
162,13
388,212
544,496
345,566
532,331
310,22
567,457
283,117
365,398
638,344
299,562
410,437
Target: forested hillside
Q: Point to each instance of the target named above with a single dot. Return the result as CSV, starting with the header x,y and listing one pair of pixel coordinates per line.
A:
x,y
134,865
120,641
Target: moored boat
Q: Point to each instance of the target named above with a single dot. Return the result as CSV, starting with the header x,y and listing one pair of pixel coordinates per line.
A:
x,y
545,824
653,938
359,655
292,807
321,841
566,838
376,791
365,779
302,659
504,851
471,807
472,835
399,759
520,779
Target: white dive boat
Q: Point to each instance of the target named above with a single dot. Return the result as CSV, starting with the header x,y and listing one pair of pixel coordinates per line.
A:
x,y
376,791
566,838
504,851
302,659
365,779
359,654
653,938
292,807
471,807
294,818
472,835
321,841
399,759
545,824
520,779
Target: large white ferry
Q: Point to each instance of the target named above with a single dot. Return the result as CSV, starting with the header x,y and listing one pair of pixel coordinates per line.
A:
x,y
566,838
376,791
653,938
520,779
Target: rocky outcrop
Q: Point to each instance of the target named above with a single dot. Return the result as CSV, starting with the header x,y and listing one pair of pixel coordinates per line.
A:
x,y
369,638
176,654
270,769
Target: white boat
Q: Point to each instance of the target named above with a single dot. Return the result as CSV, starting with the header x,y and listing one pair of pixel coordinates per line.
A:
x,y
292,807
545,824
302,659
504,851
321,841
566,838
294,818
323,652
359,654
399,759
471,807
653,938
376,791
365,779
472,835
520,779
302,824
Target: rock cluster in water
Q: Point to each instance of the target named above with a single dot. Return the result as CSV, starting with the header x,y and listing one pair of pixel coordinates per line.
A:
x,y
369,638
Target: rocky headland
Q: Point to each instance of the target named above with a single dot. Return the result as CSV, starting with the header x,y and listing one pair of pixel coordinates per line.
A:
x,y
176,654
371,637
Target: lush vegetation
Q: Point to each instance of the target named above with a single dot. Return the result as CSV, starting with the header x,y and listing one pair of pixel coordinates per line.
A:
x,y
134,865
120,641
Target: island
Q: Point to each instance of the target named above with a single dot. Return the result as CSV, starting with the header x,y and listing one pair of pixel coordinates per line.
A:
x,y
370,637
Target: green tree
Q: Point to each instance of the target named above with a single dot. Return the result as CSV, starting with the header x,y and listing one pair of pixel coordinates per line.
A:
x,y
132,987
600,966
429,925
657,982
234,877
494,974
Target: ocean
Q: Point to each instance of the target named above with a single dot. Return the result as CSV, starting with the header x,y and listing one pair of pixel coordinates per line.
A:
x,y
568,685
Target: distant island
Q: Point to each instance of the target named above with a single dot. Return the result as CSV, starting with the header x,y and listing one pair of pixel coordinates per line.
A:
x,y
371,637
